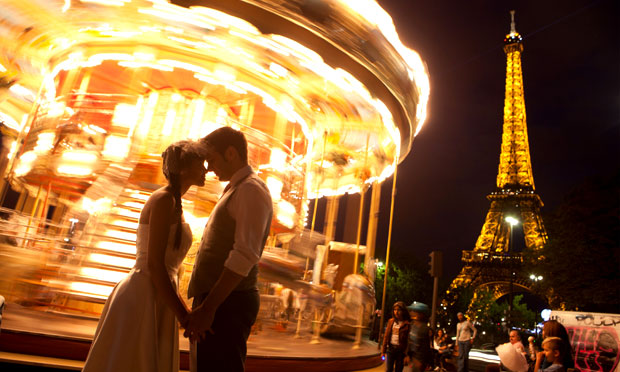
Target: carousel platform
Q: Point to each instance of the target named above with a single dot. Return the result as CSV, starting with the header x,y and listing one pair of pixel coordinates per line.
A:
x,y
43,338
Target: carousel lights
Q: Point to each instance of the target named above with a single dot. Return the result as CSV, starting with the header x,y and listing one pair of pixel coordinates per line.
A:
x,y
278,70
25,163
103,275
126,213
22,93
275,188
125,224
131,204
95,207
117,247
372,12
277,159
9,122
224,19
45,142
121,235
286,214
97,290
111,260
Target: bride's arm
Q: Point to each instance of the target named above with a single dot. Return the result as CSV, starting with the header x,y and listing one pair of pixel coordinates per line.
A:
x,y
161,217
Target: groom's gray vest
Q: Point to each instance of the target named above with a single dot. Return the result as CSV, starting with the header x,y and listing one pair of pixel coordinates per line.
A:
x,y
217,242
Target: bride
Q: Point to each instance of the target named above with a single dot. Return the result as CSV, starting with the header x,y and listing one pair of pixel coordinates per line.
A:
x,y
137,330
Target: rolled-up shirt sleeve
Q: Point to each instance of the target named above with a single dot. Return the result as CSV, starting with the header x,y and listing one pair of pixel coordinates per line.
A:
x,y
250,206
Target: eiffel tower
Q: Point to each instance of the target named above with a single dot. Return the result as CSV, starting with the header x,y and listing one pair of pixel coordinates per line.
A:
x,y
492,264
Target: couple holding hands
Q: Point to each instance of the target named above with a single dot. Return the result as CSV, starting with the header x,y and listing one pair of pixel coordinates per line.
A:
x,y
138,328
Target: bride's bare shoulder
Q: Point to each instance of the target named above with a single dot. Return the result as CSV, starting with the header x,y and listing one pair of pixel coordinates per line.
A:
x,y
161,198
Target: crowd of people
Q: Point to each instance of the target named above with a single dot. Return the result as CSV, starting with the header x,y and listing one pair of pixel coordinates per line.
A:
x,y
408,344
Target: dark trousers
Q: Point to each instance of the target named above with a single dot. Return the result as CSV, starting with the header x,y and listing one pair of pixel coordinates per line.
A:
x,y
226,349
463,358
394,359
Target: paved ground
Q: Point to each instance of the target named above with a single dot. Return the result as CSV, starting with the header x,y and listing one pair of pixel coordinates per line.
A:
x,y
271,341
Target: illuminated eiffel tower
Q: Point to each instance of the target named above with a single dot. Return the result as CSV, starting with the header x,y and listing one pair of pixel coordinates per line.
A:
x,y
492,264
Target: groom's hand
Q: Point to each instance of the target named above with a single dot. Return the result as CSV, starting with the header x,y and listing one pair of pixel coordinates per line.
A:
x,y
199,321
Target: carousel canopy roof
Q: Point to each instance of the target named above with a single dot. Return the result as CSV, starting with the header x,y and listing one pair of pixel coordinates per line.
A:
x,y
335,69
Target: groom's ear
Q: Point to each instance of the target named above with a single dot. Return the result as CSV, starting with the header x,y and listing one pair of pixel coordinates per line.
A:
x,y
231,154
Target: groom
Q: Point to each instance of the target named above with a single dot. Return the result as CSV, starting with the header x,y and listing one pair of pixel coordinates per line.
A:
x,y
223,283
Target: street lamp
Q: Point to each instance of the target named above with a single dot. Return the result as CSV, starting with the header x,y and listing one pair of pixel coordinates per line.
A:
x,y
512,221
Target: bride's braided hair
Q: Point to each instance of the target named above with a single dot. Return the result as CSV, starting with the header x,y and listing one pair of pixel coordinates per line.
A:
x,y
176,157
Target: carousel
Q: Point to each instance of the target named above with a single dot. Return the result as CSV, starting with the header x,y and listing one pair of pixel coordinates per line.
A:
x,y
92,91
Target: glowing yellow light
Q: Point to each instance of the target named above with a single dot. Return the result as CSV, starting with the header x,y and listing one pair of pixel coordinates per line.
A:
x,y
9,121
84,157
111,260
107,2
126,224
126,213
12,150
74,170
224,73
121,235
25,163
286,214
169,122
139,196
89,288
117,247
95,207
278,70
277,159
275,188
102,274
116,148
22,92
131,204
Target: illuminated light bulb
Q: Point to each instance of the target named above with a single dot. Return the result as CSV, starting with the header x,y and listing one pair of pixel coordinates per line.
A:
x,y
102,274
117,247
111,260
121,235
116,148
169,122
133,205
126,224
224,73
45,142
278,70
83,157
126,213
90,288
125,115
74,170
275,188
277,159
95,207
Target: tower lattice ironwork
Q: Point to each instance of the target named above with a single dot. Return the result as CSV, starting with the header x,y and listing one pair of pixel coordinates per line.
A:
x,y
492,265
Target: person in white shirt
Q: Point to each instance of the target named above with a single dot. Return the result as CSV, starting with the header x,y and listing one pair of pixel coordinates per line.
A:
x,y
223,282
465,335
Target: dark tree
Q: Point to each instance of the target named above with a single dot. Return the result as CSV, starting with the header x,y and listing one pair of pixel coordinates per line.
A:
x,y
581,260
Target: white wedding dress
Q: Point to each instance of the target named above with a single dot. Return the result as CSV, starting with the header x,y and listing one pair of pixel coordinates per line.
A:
x,y
137,331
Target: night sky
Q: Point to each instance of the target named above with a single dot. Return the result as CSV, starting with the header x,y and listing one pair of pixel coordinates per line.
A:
x,y
571,80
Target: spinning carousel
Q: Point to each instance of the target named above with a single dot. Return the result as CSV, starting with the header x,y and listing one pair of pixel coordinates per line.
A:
x,y
92,91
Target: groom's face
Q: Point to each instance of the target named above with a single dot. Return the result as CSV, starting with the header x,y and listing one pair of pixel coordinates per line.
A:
x,y
218,164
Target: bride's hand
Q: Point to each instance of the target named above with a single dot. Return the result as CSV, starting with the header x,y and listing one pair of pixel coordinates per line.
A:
x,y
199,322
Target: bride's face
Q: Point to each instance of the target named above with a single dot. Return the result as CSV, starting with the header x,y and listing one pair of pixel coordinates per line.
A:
x,y
195,172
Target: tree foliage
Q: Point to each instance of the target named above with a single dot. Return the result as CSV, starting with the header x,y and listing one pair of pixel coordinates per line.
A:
x,y
405,283
493,318
581,259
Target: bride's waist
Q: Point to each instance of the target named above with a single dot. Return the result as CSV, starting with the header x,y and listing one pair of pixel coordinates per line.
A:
x,y
142,265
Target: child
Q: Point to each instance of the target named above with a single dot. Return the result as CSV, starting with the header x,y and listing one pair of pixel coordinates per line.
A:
x,y
551,352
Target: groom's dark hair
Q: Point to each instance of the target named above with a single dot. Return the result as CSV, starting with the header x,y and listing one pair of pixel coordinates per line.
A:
x,y
224,137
